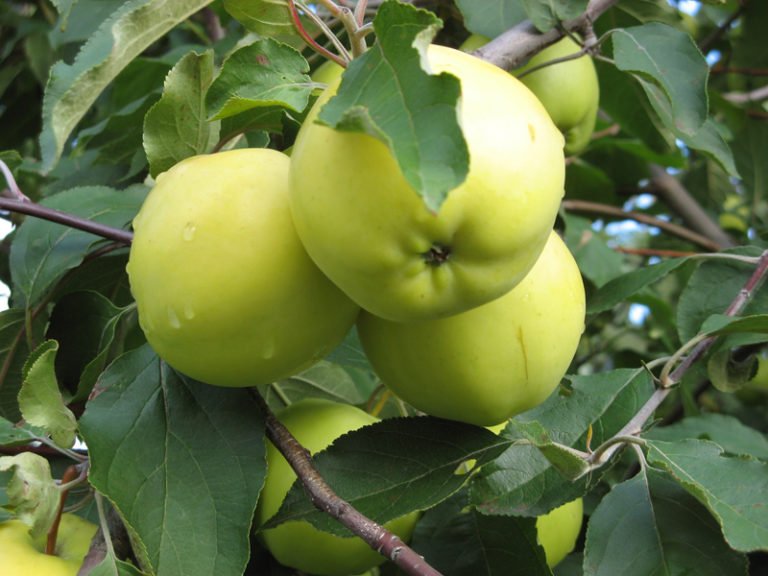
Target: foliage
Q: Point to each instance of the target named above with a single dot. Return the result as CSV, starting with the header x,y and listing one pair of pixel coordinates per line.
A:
x,y
666,212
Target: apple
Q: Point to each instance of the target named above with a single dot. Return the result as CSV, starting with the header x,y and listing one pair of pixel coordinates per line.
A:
x,y
225,291
316,424
375,237
569,90
21,555
494,361
559,529
327,73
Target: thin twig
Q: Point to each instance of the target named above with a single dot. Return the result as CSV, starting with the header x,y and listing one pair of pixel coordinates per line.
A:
x,y
325,499
13,187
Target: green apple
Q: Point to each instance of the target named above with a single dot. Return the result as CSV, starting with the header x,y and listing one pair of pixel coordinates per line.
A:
x,y
494,361
375,237
569,90
225,291
21,555
559,529
316,424
327,73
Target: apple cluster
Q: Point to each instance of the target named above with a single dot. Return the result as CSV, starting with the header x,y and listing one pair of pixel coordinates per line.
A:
x,y
248,266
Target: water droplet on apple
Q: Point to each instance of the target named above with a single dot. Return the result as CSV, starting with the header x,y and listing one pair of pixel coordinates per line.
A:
x,y
189,231
189,312
173,318
269,350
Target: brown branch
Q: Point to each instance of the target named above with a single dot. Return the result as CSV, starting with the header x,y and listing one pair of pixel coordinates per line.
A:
x,y
706,44
619,213
52,215
675,195
513,47
325,499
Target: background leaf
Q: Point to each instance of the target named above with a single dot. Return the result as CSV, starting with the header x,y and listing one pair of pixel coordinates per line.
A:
x,y
154,438
491,17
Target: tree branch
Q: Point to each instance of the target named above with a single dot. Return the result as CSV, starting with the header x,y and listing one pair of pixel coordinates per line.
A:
x,y
512,48
674,194
325,499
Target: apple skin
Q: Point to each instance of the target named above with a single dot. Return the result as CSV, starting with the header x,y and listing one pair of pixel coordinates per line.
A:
x,y
494,361
570,91
21,555
559,529
316,423
371,233
225,291
327,73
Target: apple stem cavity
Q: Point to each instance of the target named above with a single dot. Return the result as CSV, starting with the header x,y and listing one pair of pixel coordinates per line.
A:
x,y
437,255
325,499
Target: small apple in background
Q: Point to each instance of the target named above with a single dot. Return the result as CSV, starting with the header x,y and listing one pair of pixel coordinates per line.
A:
x,y
316,424
494,361
225,291
374,236
559,529
21,555
569,90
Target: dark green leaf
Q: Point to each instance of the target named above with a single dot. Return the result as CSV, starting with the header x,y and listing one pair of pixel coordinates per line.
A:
x,y
388,95
671,59
623,287
727,431
394,467
459,542
73,88
176,127
43,251
12,434
522,481
546,14
734,489
651,520
183,463
14,348
491,17
263,74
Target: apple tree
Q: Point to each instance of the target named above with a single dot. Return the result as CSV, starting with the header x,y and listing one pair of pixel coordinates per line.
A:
x,y
626,434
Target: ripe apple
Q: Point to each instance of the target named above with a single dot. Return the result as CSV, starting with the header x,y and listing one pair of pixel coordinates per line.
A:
x,y
375,237
569,90
316,424
559,529
494,361
225,291
327,73
21,555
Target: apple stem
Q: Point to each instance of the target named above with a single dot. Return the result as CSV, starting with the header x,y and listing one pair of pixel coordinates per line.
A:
x,y
71,475
325,499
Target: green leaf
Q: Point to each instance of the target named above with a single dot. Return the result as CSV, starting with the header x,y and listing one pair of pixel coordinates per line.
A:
x,y
597,262
73,88
394,467
110,566
263,74
734,489
182,462
712,287
270,18
42,251
459,542
84,323
176,127
12,434
387,94
719,324
621,288
727,431
32,494
491,17
672,61
522,481
14,349
546,14
40,399
663,530
569,462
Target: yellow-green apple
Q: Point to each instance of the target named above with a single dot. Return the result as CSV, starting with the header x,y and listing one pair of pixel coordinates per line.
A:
x,y
22,555
494,361
374,236
559,529
225,291
569,90
316,424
